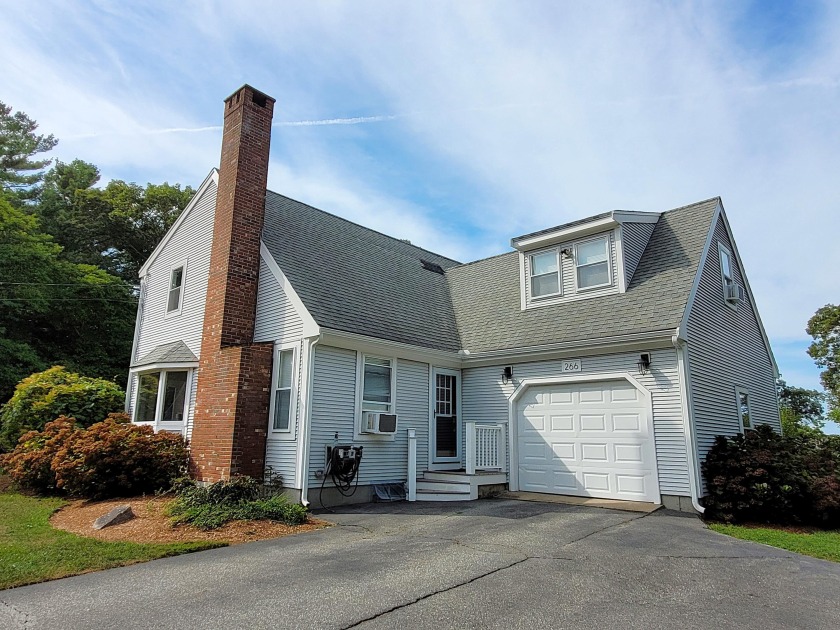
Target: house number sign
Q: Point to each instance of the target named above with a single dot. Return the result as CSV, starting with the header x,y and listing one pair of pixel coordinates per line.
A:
x,y
570,365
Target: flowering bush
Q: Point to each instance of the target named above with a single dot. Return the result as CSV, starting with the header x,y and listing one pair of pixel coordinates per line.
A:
x,y
109,459
44,396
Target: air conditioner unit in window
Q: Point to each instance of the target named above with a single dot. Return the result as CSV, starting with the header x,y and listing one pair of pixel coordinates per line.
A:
x,y
378,422
734,293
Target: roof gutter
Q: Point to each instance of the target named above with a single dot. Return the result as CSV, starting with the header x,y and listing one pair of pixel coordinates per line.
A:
x,y
681,347
604,343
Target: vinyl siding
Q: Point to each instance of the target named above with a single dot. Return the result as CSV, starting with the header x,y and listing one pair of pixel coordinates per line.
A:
x,y
485,399
192,242
334,411
726,350
277,321
568,273
634,240
276,316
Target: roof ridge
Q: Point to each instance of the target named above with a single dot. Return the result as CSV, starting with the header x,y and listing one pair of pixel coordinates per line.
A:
x,y
696,203
485,259
364,227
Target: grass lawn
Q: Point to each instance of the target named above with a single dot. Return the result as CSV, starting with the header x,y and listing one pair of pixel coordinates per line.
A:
x,y
820,544
32,551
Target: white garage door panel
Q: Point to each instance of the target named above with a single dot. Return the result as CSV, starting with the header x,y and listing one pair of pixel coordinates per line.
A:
x,y
587,439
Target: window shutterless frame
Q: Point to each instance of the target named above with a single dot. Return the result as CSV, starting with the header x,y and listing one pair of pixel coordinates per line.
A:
x,y
727,276
591,265
282,412
376,389
161,397
175,289
742,402
549,281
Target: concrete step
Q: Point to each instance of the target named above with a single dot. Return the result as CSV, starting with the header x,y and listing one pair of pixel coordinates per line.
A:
x,y
443,486
480,478
426,495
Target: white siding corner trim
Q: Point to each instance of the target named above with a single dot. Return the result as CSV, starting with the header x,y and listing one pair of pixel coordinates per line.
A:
x,y
525,384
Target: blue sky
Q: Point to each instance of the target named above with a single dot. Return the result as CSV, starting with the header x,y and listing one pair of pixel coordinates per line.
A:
x,y
459,125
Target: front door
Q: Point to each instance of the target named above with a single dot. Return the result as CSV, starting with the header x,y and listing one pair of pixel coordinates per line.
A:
x,y
446,421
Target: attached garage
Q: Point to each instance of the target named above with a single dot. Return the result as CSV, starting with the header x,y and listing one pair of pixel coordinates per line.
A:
x,y
585,438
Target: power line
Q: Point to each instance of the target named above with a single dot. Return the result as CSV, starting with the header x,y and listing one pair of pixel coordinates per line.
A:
x,y
65,284
91,299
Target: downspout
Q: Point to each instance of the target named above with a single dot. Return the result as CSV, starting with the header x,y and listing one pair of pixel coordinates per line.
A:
x,y
680,345
138,322
307,422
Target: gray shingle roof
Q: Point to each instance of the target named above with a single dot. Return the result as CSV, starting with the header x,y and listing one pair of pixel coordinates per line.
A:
x,y
487,306
355,279
175,352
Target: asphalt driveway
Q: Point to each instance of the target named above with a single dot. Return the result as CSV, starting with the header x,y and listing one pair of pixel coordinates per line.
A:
x,y
486,564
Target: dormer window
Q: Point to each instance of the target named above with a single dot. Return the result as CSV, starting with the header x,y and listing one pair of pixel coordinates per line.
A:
x,y
545,274
176,289
592,263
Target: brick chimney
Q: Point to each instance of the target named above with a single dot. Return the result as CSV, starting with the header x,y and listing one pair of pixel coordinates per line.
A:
x,y
234,373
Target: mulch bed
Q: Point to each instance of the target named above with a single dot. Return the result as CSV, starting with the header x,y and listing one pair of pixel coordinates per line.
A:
x,y
151,525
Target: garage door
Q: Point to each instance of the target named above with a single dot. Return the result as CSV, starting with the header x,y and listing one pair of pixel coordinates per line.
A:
x,y
587,439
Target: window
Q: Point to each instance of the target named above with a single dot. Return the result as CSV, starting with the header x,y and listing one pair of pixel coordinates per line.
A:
x,y
161,396
592,263
176,286
725,269
377,392
281,412
743,399
545,274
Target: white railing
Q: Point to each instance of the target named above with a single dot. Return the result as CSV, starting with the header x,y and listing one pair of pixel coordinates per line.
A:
x,y
485,447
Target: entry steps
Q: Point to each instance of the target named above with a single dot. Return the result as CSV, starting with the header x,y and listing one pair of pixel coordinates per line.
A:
x,y
455,485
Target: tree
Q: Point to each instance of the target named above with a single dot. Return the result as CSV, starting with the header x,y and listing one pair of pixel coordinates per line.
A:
x,y
824,327
54,311
19,173
801,410
115,228
44,396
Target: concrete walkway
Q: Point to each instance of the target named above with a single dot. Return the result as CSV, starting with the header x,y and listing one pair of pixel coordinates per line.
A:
x,y
485,564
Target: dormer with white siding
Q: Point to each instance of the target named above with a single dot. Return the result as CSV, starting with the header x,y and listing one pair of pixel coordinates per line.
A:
x,y
583,259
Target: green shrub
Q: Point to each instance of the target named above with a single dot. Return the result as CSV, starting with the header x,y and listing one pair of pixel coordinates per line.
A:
x,y
109,459
44,396
210,507
762,476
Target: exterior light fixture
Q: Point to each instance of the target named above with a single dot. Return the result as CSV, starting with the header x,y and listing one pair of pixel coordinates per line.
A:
x,y
644,363
507,375
567,252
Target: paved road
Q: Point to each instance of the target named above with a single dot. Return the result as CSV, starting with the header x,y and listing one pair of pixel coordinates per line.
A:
x,y
487,564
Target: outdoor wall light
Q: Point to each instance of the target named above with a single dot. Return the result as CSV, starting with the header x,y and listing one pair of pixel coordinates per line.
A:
x,y
507,375
644,363
567,252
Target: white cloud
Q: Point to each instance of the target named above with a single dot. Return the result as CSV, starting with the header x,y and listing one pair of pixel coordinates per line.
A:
x,y
513,116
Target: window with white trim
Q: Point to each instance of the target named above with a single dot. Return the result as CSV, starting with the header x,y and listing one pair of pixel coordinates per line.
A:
x,y
161,396
592,263
743,401
545,274
176,289
725,268
282,384
377,384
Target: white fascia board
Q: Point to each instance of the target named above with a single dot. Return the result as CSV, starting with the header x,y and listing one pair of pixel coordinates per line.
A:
x,y
615,218
310,326
212,178
163,366
631,216
550,238
384,347
588,347
698,274
748,289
